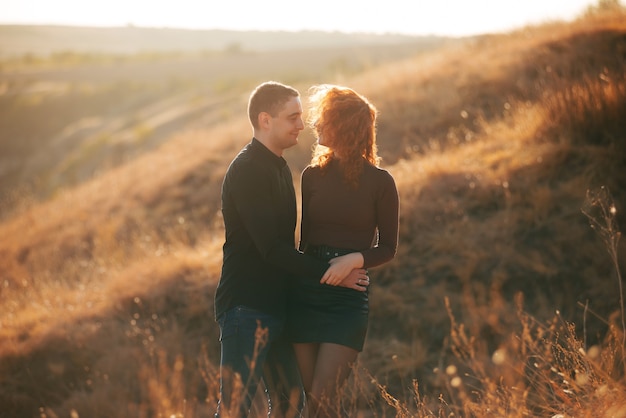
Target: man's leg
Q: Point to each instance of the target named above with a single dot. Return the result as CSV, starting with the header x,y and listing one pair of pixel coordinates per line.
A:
x,y
283,381
245,337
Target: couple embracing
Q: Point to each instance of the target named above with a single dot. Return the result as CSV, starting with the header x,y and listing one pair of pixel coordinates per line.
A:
x,y
296,317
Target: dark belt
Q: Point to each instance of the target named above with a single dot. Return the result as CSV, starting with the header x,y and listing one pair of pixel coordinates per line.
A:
x,y
326,251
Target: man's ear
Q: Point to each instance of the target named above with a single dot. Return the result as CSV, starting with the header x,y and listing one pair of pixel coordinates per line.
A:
x,y
264,120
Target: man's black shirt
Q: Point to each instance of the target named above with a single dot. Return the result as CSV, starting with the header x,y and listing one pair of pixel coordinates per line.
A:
x,y
260,214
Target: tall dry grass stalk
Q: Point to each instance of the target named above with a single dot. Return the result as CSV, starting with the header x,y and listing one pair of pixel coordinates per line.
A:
x,y
600,209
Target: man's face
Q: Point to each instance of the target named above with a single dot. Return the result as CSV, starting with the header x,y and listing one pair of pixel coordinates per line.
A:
x,y
287,124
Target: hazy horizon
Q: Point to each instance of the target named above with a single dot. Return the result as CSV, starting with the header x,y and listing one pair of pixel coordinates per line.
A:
x,y
449,18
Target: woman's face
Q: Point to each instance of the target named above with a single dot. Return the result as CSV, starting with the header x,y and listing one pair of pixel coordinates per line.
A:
x,y
321,139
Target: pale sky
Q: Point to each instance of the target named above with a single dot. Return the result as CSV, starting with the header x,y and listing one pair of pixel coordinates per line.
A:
x,y
418,17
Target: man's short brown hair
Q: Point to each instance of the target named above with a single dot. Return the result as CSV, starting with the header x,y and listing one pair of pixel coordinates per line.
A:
x,y
269,97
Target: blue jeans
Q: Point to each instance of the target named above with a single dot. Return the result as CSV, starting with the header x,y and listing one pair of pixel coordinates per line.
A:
x,y
253,348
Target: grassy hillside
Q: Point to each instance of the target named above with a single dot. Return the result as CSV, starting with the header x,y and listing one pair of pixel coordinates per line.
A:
x,y
502,301
68,117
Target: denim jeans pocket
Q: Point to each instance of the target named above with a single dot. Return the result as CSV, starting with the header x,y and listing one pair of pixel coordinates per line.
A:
x,y
229,324
245,321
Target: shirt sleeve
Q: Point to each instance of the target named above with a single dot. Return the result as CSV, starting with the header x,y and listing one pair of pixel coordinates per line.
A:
x,y
387,220
304,221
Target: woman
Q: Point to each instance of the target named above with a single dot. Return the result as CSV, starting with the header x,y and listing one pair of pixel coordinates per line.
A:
x,y
349,214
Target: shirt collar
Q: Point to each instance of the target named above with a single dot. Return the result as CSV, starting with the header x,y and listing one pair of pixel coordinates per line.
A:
x,y
261,150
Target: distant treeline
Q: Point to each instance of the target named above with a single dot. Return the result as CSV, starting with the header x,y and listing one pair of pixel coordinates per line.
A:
x,y
21,40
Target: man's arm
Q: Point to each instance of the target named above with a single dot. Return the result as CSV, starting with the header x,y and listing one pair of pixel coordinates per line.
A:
x,y
251,187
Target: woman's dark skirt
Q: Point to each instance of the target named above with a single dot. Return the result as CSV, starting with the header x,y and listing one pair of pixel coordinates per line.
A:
x,y
327,314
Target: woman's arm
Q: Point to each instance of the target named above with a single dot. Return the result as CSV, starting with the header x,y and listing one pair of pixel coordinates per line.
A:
x,y
341,267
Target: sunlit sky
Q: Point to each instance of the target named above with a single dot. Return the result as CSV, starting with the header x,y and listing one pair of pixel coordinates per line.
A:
x,y
419,17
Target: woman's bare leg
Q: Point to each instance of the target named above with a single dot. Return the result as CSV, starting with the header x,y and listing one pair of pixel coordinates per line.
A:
x,y
333,367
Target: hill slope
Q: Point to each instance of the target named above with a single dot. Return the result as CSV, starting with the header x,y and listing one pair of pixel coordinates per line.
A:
x,y
107,287
96,110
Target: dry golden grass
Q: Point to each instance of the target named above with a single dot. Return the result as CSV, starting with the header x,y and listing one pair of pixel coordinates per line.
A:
x,y
106,288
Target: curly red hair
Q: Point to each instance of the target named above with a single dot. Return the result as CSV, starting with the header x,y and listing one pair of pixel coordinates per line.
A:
x,y
347,121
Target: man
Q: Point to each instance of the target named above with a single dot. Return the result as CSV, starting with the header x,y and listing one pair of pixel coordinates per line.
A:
x,y
260,259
